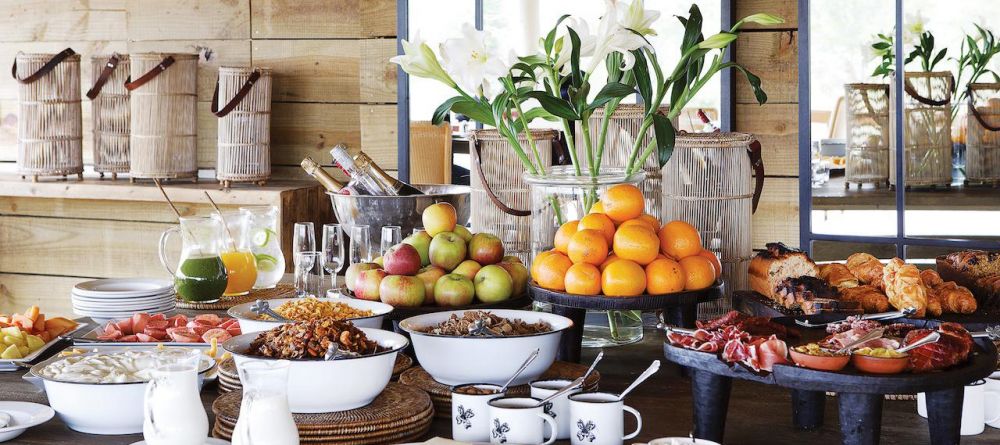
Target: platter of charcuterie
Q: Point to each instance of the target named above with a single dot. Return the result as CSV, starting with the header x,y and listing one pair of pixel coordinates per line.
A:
x,y
177,330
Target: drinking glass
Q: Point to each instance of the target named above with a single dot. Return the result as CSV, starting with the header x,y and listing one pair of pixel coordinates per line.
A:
x,y
417,230
303,239
333,250
308,273
361,249
391,235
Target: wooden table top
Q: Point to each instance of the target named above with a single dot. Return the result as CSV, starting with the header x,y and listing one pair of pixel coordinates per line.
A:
x,y
756,411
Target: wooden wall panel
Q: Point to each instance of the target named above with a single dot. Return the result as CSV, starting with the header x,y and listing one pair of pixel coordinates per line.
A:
x,y
777,217
777,128
76,20
51,294
323,19
787,9
212,54
188,19
101,209
774,57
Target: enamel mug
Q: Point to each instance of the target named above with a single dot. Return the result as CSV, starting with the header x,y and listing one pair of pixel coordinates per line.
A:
x,y
979,408
520,420
470,413
597,418
558,408
993,403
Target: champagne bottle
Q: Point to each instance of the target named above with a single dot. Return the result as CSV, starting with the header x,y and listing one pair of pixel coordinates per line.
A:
x,y
397,187
358,172
324,178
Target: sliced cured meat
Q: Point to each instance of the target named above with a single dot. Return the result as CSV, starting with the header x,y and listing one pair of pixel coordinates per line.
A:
x,y
220,335
159,334
107,337
178,320
771,352
144,338
211,319
129,339
953,348
158,317
139,321
125,325
157,324
230,322
234,330
184,335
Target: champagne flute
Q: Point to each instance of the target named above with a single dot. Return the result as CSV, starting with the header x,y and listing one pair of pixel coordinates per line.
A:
x,y
308,273
360,247
333,250
391,235
303,239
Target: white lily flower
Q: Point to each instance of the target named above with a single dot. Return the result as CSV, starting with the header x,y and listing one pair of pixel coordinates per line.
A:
x,y
612,37
913,25
474,60
636,17
418,60
565,45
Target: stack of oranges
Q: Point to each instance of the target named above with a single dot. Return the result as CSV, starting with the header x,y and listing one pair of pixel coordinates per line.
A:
x,y
619,251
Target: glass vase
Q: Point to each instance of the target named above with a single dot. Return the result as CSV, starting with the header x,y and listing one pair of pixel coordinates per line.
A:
x,y
560,196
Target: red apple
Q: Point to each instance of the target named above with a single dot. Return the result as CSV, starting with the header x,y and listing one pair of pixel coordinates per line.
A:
x,y
438,218
351,274
493,284
402,291
447,250
402,259
368,283
518,274
463,232
486,249
454,290
430,275
422,241
469,268
511,259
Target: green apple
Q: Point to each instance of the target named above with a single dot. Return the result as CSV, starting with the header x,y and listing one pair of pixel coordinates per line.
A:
x,y
422,241
518,274
439,218
454,290
486,248
447,250
430,275
463,232
351,274
367,285
469,268
511,259
493,284
380,261
402,291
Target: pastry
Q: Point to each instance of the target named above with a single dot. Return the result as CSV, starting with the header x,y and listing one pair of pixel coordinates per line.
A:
x,y
838,275
951,297
904,287
930,278
870,297
794,292
976,263
779,262
867,268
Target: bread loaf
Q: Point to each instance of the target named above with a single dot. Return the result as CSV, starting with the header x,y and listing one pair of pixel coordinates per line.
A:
x,y
770,267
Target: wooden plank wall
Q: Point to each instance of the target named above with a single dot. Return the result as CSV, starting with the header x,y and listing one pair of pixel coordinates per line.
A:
x,y
332,79
771,52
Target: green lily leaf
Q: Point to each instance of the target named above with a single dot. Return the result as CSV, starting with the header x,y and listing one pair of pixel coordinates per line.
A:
x,y
752,79
665,134
476,111
554,105
764,19
609,92
442,110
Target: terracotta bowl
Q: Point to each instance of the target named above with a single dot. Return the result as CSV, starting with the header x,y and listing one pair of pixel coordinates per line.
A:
x,y
880,365
821,363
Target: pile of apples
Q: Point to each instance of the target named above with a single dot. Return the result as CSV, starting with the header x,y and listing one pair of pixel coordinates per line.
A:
x,y
445,265
22,334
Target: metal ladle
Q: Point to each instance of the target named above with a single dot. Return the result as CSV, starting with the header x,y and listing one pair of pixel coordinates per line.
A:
x,y
262,307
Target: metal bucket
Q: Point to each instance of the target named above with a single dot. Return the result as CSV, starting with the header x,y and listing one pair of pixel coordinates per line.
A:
x,y
402,211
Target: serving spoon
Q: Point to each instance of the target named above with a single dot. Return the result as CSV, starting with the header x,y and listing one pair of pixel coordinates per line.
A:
x,y
531,358
653,367
478,328
262,307
881,316
600,355
565,389
930,338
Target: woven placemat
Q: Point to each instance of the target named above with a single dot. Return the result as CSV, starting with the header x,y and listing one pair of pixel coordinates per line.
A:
x,y
418,432
279,291
229,378
402,425
895,397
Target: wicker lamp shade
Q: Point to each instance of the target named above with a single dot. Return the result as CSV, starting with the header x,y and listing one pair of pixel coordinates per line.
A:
x,y
926,131
623,127
868,136
163,121
707,183
982,161
243,106
501,178
110,113
50,128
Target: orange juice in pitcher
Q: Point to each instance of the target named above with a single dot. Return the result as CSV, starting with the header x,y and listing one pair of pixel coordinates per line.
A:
x,y
241,268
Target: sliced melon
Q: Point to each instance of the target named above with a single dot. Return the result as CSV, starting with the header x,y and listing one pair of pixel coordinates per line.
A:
x,y
11,353
34,342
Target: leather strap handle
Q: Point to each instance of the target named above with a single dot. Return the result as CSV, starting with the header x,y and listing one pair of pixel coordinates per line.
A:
x,y
109,68
477,162
979,117
151,74
754,150
45,69
912,92
237,98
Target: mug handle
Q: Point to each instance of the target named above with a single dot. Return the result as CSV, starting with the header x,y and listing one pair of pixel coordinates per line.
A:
x,y
552,423
163,247
996,401
638,421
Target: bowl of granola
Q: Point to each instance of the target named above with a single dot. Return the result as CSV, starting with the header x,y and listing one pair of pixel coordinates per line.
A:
x,y
459,347
357,374
364,314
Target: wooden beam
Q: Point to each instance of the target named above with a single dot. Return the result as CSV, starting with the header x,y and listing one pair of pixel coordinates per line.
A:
x,y
62,20
777,128
787,9
323,19
777,217
772,56
188,19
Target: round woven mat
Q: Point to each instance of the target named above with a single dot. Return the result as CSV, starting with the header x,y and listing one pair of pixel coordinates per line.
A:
x,y
398,406
229,378
418,432
279,291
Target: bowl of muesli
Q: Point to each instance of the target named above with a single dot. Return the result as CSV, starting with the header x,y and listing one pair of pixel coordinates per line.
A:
x,y
458,347
356,374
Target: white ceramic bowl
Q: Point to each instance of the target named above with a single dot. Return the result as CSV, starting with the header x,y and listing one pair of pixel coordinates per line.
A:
x,y
23,415
318,386
460,360
250,323
99,408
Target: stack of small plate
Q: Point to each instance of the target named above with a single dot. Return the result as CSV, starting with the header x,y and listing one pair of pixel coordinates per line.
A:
x,y
113,298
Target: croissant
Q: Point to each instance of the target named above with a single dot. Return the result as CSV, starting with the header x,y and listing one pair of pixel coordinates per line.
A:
x,y
949,295
869,297
904,287
930,278
867,268
934,306
838,275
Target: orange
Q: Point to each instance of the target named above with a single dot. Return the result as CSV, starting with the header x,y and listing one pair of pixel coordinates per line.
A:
x,y
651,220
600,222
588,246
623,202
565,232
699,272
611,257
714,259
623,278
641,223
550,271
538,259
664,276
637,243
598,207
583,279
679,239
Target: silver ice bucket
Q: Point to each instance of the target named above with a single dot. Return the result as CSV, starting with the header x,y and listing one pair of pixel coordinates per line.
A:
x,y
402,211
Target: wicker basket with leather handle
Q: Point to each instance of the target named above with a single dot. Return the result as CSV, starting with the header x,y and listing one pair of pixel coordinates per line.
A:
x,y
868,137
163,122
242,102
110,113
982,160
927,132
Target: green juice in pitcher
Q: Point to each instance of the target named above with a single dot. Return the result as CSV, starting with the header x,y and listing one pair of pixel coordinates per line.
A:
x,y
201,279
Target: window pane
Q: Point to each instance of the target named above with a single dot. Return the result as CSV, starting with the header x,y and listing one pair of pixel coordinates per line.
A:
x,y
436,22
840,250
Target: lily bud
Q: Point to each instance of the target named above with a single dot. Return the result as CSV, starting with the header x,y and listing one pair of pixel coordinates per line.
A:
x,y
720,40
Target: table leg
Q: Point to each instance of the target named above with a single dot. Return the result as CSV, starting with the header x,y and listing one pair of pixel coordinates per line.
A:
x,y
944,415
711,402
572,339
682,316
808,409
860,418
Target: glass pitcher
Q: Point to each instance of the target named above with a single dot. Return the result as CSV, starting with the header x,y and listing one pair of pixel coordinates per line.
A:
x,y
200,275
265,418
241,268
265,245
172,410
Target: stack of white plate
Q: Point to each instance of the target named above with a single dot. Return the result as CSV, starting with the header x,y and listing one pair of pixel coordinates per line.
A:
x,y
121,297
